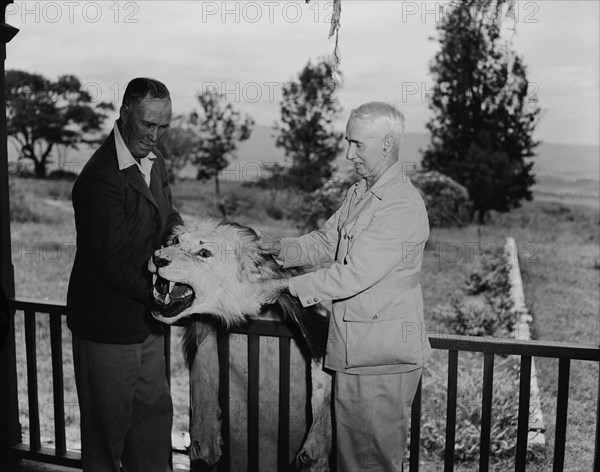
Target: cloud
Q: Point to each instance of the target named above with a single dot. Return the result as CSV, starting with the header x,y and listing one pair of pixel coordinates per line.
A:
x,y
250,49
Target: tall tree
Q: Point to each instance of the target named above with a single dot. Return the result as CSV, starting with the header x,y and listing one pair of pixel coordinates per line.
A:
x,y
484,113
306,132
43,115
220,128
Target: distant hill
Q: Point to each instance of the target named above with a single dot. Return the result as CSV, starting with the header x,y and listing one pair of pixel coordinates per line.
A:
x,y
563,169
568,161
261,146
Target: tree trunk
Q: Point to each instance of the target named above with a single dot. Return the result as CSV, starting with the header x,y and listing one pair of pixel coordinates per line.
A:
x,y
40,168
217,184
481,214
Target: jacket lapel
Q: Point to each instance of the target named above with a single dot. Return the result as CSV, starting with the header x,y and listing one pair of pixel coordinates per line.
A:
x,y
136,180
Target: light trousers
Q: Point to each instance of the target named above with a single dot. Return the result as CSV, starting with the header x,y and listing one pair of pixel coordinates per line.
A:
x,y
372,416
125,405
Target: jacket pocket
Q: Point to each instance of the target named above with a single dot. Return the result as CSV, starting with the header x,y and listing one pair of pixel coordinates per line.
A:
x,y
380,331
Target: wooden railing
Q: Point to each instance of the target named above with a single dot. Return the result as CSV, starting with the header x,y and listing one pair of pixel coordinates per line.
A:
x,y
254,330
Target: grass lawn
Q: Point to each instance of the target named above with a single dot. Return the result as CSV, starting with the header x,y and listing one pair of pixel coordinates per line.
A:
x,y
558,244
559,249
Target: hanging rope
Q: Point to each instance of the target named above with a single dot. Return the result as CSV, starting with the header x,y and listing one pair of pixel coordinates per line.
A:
x,y
336,57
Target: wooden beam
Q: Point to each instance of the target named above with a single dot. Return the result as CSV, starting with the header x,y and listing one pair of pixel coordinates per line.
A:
x,y
10,428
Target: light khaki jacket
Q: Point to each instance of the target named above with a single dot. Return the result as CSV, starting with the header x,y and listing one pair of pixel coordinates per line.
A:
x,y
375,241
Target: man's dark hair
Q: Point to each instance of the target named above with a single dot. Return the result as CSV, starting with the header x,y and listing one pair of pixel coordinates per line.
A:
x,y
142,87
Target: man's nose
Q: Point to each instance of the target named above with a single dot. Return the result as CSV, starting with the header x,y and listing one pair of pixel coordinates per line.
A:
x,y
160,261
153,135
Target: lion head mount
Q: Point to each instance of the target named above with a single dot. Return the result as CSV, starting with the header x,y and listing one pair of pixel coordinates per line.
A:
x,y
212,267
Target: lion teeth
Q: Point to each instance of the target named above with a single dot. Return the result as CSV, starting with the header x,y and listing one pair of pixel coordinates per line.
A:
x,y
154,277
167,300
171,285
155,293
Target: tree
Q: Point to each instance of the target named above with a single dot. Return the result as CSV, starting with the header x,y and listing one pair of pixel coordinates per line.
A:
x,y
308,110
43,115
178,145
219,128
481,134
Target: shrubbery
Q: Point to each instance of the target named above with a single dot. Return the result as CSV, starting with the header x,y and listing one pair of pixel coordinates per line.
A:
x,y
485,307
318,206
447,201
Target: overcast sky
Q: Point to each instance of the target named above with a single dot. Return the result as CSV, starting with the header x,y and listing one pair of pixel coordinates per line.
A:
x,y
249,49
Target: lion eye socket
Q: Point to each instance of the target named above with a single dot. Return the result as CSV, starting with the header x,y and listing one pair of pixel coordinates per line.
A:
x,y
204,253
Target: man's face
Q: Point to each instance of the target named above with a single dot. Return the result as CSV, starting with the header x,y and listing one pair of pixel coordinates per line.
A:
x,y
143,124
365,147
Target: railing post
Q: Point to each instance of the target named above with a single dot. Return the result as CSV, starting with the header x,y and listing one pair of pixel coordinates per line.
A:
x,y
10,429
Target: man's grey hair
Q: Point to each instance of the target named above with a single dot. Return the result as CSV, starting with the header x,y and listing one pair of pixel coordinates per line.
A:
x,y
387,112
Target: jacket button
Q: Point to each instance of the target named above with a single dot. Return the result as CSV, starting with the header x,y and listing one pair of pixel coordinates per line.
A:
x,y
374,317
315,300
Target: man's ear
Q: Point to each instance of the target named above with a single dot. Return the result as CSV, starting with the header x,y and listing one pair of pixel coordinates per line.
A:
x,y
123,113
388,144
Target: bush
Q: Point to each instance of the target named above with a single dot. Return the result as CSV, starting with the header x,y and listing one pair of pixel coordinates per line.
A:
x,y
274,211
447,201
318,206
485,307
232,204
62,174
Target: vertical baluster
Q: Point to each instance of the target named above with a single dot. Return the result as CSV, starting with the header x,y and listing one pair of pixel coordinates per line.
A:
x,y
283,428
486,411
223,348
562,405
32,384
57,383
451,411
523,424
167,355
415,430
253,405
597,444
167,331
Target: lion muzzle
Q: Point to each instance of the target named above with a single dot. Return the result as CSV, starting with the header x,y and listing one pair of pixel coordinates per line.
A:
x,y
170,298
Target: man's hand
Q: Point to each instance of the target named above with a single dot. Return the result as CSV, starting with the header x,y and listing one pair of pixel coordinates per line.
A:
x,y
268,245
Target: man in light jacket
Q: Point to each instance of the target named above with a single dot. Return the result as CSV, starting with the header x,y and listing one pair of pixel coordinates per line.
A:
x,y
377,342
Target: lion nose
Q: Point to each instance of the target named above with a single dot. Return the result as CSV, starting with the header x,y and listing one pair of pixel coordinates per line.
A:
x,y
160,261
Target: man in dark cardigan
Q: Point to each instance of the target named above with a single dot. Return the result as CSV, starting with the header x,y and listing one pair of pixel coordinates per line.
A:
x,y
123,213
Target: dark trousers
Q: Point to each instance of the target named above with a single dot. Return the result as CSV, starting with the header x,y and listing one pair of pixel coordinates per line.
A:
x,y
372,415
125,405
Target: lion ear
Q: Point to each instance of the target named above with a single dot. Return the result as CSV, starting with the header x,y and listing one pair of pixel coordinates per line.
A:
x,y
249,266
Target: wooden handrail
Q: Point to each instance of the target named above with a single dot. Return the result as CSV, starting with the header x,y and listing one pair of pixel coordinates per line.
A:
x,y
484,344
256,328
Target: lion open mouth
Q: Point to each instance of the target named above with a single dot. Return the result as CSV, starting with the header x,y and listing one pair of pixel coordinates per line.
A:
x,y
171,298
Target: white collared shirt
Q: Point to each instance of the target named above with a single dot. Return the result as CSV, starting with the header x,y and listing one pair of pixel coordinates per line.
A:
x,y
126,159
